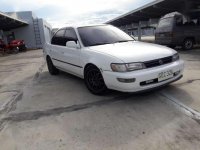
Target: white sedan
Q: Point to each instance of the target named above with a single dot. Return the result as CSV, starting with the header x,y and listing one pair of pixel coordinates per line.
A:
x,y
107,58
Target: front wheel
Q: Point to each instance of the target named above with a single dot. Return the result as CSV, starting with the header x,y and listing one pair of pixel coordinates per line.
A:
x,y
52,69
16,50
94,80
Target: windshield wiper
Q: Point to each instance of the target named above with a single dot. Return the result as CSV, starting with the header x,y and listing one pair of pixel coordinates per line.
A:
x,y
123,41
99,44
95,44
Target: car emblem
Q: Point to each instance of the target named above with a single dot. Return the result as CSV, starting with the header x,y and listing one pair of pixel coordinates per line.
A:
x,y
160,62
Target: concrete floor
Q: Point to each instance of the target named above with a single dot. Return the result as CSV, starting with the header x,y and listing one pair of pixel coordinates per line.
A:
x,y
58,112
187,89
16,71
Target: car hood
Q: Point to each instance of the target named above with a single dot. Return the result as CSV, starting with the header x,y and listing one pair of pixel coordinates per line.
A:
x,y
134,51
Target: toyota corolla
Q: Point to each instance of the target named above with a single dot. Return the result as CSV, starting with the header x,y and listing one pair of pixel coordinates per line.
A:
x,y
107,58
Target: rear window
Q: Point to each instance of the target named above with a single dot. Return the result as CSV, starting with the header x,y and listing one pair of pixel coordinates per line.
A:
x,y
167,22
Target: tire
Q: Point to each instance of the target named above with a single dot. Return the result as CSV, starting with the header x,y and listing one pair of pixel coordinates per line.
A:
x,y
52,69
16,50
22,48
188,44
94,80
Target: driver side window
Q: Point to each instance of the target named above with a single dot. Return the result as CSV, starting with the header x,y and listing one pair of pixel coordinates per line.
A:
x,y
70,35
71,39
63,36
58,38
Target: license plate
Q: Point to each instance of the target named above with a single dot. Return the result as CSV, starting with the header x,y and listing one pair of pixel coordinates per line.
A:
x,y
165,75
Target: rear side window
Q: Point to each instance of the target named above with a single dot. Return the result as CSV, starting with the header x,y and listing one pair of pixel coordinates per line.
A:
x,y
58,38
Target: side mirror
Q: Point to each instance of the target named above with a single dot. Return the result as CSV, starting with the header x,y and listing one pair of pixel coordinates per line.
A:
x,y
72,44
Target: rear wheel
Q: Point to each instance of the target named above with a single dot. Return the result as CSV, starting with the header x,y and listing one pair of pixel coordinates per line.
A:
x,y
52,69
94,80
188,44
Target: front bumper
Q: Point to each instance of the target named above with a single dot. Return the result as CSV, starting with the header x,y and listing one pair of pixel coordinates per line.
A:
x,y
140,76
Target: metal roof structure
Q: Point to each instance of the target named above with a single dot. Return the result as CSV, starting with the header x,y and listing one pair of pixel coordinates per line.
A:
x,y
157,9
7,22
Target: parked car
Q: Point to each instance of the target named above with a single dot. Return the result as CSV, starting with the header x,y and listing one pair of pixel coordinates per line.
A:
x,y
17,44
107,58
175,30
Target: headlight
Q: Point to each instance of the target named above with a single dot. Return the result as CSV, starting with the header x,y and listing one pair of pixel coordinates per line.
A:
x,y
127,67
175,57
118,67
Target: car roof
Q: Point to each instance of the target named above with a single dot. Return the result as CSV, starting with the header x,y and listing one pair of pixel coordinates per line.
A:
x,y
172,15
81,26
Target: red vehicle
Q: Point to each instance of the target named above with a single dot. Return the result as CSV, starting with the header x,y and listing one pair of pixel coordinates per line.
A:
x,y
17,45
14,46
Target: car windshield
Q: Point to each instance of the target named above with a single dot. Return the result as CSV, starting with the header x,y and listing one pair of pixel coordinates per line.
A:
x,y
167,22
100,35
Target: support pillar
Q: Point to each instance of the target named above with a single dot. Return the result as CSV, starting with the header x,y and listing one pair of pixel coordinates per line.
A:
x,y
139,32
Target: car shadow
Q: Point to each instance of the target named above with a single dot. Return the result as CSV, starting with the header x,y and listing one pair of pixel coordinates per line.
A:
x,y
109,93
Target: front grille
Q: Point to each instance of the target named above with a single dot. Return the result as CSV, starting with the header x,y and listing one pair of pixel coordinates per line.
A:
x,y
158,62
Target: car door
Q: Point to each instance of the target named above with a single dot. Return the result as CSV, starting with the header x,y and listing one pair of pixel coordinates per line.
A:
x,y
71,55
66,58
